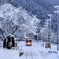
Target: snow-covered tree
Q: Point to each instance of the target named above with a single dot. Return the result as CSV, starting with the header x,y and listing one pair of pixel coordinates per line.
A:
x,y
13,18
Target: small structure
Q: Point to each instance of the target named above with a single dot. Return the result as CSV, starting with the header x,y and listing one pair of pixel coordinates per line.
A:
x,y
47,45
8,42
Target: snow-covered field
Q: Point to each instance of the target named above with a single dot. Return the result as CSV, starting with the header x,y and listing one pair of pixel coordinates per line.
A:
x,y
36,51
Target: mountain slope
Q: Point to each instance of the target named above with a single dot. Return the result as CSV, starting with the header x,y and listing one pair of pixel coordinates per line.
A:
x,y
32,7
40,8
54,2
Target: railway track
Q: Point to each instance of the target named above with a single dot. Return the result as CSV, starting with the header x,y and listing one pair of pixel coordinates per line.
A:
x,y
29,53
26,53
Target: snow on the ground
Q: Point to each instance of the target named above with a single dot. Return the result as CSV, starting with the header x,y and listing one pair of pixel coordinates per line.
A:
x,y
36,51
45,51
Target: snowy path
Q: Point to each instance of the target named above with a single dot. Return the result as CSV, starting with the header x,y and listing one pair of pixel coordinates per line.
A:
x,y
31,53
35,53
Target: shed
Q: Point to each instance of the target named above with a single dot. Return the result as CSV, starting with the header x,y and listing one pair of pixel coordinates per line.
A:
x,y
8,42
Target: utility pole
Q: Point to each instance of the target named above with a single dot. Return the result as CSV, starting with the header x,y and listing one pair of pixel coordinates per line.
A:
x,y
47,32
50,15
57,24
37,34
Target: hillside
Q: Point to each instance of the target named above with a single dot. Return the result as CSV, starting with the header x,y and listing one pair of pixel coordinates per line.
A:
x,y
40,8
